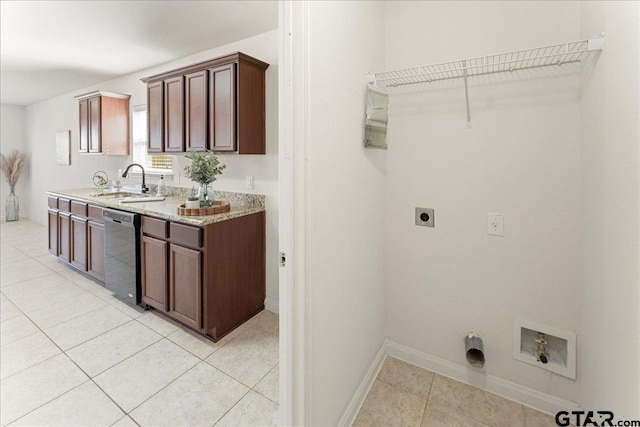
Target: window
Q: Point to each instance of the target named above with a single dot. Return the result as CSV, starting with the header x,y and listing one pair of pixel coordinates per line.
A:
x,y
153,164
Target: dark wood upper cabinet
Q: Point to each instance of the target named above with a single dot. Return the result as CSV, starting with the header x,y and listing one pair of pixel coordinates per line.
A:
x,y
196,110
222,109
155,108
84,126
251,107
222,116
104,123
94,124
174,115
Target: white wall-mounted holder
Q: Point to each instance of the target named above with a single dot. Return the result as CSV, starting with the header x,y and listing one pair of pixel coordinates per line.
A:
x,y
544,56
559,345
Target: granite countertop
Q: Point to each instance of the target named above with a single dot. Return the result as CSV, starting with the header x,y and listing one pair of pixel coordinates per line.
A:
x,y
241,204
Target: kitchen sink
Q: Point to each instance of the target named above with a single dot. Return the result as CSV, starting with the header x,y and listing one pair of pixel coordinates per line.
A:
x,y
141,198
127,196
115,195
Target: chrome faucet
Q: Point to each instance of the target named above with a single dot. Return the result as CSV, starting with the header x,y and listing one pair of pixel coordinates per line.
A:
x,y
145,189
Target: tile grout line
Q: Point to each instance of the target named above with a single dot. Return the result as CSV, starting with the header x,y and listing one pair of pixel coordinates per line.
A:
x,y
62,352
201,360
171,382
74,362
229,410
261,379
89,378
162,336
426,404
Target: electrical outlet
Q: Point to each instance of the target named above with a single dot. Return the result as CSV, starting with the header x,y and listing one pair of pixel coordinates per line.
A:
x,y
425,217
495,224
249,182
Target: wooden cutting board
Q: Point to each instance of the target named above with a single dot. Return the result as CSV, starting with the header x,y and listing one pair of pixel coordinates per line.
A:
x,y
218,207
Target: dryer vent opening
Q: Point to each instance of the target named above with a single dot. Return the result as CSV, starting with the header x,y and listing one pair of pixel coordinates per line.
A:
x,y
474,350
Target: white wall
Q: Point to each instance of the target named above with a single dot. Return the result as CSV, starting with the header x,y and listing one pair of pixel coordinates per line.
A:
x,y
345,247
44,118
520,158
13,138
609,341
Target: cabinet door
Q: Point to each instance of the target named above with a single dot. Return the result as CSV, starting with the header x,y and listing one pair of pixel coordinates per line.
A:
x,y
94,125
154,272
196,110
53,231
155,108
64,236
84,126
222,112
174,115
185,285
79,242
95,250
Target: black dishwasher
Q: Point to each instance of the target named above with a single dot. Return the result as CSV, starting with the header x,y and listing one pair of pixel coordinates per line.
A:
x,y
122,255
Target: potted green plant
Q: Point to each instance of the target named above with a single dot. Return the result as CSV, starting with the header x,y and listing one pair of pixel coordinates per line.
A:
x,y
203,169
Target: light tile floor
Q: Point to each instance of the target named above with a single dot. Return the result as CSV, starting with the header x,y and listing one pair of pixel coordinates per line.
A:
x,y
72,355
406,395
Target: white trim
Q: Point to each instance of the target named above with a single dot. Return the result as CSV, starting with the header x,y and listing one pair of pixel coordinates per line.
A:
x,y
101,93
271,305
351,413
293,279
532,398
535,399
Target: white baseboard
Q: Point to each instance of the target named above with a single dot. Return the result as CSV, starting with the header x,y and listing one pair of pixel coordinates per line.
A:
x,y
535,399
532,398
351,413
272,305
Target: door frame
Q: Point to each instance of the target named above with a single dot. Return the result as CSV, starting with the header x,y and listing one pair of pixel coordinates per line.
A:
x,y
293,68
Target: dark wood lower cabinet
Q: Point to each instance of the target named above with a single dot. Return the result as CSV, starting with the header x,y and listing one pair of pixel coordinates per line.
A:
x,y
64,236
234,268
76,235
209,278
154,272
185,285
95,250
172,279
53,231
79,242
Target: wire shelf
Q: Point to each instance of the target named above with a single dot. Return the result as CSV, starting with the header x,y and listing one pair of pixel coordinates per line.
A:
x,y
545,56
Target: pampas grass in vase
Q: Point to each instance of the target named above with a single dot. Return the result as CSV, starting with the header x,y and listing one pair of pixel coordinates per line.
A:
x,y
11,168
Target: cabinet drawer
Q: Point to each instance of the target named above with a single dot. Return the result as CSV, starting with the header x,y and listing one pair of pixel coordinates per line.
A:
x,y
95,213
154,227
78,208
53,202
185,235
64,204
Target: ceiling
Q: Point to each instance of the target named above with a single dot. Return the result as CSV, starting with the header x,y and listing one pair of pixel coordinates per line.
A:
x,y
48,48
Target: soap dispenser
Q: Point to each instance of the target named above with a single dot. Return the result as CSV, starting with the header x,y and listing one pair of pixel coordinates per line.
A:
x,y
161,190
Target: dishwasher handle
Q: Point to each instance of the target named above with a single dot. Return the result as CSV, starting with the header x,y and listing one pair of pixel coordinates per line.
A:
x,y
125,219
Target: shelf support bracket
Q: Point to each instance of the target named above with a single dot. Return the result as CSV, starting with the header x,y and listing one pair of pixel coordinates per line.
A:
x,y
466,93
